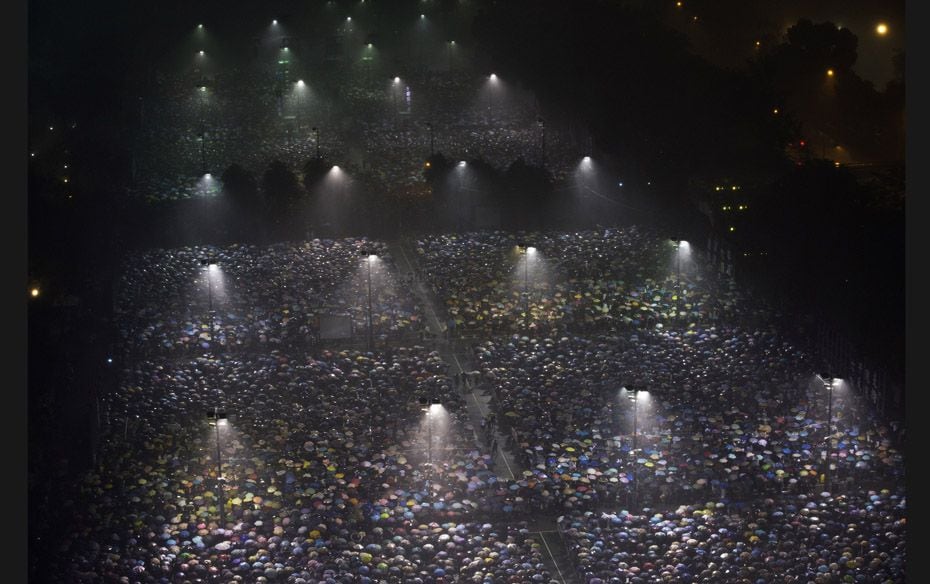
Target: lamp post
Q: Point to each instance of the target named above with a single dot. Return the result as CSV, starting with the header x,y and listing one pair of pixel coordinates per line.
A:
x,y
203,130
634,391
461,206
210,265
300,87
829,383
492,81
420,33
218,418
585,168
527,251
426,404
369,258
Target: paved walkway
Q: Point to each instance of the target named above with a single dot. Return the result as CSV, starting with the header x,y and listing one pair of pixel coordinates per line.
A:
x,y
459,355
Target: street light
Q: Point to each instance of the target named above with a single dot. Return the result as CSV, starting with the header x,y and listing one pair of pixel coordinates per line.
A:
x,y
210,266
585,169
34,292
829,384
300,86
370,257
460,204
203,129
527,251
429,405
634,393
881,29
680,245
218,418
492,80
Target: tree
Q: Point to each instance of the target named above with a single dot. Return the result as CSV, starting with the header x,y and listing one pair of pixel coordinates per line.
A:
x,y
811,74
281,188
283,196
529,188
632,81
436,169
241,188
314,171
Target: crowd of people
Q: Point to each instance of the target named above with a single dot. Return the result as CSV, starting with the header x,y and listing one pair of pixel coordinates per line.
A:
x,y
491,283
327,467
730,415
262,297
798,538
190,123
733,463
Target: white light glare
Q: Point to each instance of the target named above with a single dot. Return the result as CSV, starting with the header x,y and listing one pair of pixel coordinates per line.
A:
x,y
531,250
372,257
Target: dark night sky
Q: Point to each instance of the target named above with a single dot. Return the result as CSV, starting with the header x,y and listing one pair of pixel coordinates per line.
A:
x,y
93,43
